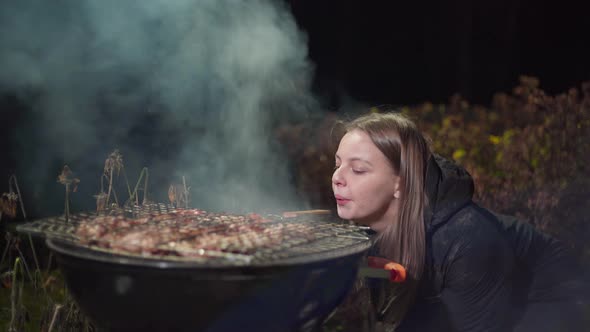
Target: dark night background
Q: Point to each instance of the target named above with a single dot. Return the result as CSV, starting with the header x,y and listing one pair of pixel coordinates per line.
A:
x,y
405,52
386,52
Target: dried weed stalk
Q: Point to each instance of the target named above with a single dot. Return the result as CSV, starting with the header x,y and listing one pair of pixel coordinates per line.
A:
x,y
113,166
134,196
18,311
9,200
114,162
66,177
179,194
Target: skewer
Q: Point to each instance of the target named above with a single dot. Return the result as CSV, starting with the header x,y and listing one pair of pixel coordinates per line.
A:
x,y
293,214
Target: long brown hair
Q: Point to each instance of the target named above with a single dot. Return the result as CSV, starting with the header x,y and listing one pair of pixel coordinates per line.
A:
x,y
404,239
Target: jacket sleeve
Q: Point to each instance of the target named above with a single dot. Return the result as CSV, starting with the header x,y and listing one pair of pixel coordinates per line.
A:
x,y
477,287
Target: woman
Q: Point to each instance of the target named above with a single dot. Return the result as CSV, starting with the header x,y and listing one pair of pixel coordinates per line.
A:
x,y
468,268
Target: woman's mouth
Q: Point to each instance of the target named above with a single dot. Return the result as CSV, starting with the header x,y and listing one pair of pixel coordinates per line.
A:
x,y
341,200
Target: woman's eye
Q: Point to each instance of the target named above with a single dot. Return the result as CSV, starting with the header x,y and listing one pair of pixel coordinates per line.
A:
x,y
358,171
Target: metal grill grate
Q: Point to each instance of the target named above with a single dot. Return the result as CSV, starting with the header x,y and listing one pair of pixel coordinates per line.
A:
x,y
299,237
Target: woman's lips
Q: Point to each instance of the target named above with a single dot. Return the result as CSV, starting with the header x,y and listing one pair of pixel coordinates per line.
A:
x,y
341,200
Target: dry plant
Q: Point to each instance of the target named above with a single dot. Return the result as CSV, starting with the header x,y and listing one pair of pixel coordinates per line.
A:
x,y
134,196
54,317
179,194
114,162
13,243
5,252
8,205
66,177
101,201
13,188
113,166
9,200
65,316
73,318
17,310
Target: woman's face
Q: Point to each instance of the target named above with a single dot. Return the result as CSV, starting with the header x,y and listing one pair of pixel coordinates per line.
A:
x,y
364,182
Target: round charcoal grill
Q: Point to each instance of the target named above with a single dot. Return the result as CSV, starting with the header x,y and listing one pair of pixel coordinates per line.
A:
x,y
291,285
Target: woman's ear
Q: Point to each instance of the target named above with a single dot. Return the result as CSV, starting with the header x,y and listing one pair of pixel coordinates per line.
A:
x,y
397,193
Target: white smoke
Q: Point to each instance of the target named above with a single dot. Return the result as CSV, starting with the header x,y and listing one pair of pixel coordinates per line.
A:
x,y
185,87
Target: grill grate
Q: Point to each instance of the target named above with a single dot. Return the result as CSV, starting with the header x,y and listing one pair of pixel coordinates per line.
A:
x,y
273,240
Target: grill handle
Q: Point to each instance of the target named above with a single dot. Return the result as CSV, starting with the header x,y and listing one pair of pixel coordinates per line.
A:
x,y
382,268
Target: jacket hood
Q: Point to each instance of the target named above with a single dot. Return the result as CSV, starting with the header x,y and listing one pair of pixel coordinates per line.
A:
x,y
448,188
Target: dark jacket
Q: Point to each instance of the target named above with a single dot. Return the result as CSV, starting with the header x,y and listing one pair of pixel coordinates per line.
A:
x,y
487,272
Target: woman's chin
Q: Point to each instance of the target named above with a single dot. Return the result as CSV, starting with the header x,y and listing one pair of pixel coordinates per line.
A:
x,y
345,214
377,226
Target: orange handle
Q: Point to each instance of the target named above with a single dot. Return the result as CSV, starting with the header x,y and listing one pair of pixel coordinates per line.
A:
x,y
397,273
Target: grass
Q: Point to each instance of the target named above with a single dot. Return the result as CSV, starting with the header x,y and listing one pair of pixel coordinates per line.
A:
x,y
40,304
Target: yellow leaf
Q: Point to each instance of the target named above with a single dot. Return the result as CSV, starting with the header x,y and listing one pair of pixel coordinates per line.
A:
x,y
459,154
494,139
507,136
446,122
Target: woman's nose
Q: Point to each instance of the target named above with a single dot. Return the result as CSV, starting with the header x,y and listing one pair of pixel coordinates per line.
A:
x,y
337,178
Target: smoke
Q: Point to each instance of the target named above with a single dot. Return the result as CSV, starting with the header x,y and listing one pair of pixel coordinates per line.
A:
x,y
186,88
